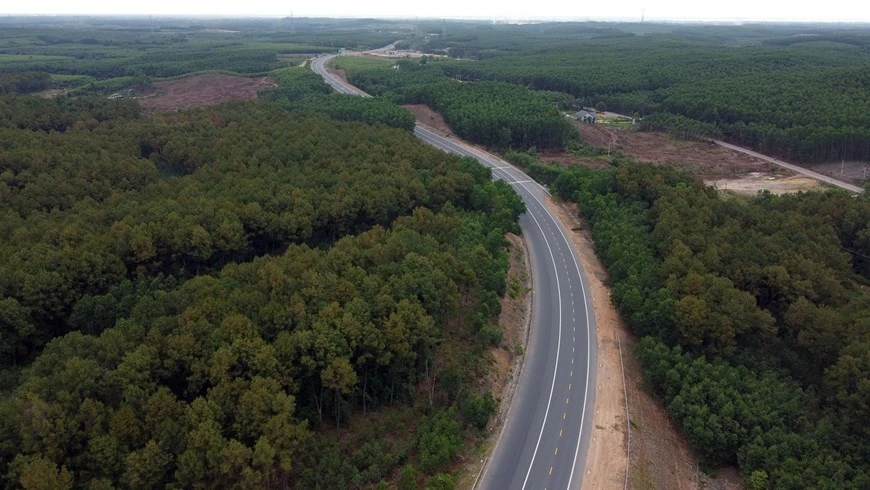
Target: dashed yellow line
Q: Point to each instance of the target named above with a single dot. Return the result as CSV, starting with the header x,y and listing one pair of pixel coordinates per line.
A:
x,y
551,470
560,432
569,386
556,452
564,414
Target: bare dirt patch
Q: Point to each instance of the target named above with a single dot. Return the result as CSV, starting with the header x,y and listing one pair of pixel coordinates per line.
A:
x,y
424,115
202,90
757,182
707,160
52,93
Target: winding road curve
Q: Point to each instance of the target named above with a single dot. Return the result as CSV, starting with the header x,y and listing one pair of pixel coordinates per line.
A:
x,y
547,430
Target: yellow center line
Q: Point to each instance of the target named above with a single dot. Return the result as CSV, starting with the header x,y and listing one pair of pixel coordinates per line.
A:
x,y
564,414
551,470
566,400
556,452
560,432
569,386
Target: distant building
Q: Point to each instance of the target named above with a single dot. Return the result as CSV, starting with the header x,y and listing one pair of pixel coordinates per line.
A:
x,y
585,116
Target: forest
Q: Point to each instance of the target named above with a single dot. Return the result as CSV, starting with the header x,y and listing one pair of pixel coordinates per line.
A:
x,y
255,294
497,115
753,315
799,92
103,55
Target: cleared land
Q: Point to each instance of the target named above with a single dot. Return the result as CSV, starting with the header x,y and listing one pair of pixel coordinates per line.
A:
x,y
202,90
706,160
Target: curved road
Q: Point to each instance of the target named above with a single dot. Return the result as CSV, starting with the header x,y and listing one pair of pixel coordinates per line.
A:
x,y
546,434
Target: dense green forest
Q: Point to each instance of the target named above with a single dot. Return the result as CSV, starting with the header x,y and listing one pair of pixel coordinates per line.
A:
x,y
800,91
194,299
754,315
303,90
102,55
498,115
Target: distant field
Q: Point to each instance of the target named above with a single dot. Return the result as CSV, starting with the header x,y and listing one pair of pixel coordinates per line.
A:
x,y
354,63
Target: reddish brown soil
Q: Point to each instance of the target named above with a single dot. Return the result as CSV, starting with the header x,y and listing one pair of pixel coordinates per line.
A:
x,y
705,159
427,116
202,90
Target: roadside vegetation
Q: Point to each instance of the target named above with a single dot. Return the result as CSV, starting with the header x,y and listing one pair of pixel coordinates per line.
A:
x,y
753,315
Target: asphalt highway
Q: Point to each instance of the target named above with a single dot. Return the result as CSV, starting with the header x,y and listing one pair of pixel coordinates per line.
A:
x,y
547,431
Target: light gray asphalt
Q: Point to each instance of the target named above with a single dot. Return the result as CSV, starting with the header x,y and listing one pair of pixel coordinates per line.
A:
x,y
547,431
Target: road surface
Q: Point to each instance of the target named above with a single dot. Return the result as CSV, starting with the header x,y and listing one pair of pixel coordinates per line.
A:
x,y
546,434
795,168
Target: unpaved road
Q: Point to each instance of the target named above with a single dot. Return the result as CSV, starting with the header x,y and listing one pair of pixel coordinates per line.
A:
x,y
792,167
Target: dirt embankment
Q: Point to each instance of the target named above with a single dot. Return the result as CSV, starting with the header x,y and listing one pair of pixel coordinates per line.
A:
x,y
202,90
424,115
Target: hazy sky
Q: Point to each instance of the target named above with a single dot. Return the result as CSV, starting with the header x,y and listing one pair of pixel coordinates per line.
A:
x,y
796,10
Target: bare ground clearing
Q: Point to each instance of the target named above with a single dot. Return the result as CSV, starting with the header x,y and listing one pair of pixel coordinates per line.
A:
x,y
202,90
706,160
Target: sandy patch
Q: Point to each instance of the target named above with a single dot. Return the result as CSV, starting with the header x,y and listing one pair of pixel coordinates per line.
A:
x,y
757,182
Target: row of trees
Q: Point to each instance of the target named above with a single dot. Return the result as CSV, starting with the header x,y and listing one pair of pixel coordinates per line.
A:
x,y
756,331
302,90
498,115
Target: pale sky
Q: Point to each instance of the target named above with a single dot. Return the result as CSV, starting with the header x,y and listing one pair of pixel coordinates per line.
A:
x,y
722,10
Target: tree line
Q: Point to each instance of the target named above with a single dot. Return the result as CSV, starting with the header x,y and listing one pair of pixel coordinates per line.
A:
x,y
497,115
752,313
